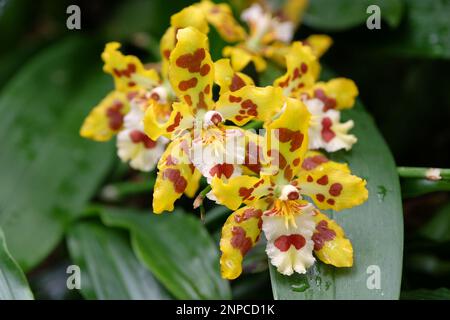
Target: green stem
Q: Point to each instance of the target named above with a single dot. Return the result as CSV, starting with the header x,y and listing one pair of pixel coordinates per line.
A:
x,y
421,173
198,202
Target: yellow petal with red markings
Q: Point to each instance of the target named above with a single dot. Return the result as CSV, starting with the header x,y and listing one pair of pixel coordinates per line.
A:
x,y
180,119
319,43
228,79
331,188
174,174
287,140
240,189
314,158
221,17
240,233
339,93
241,57
302,70
330,244
128,72
250,103
106,119
191,70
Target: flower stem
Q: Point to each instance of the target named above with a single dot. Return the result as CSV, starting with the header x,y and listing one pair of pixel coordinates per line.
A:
x,y
198,202
253,125
424,173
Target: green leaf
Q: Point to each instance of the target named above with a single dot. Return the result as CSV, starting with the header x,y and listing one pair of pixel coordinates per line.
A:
x,y
332,15
48,172
374,228
426,32
109,268
438,228
177,249
13,284
426,294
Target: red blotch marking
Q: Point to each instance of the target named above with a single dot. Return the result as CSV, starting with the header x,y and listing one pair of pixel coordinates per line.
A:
x,y
329,103
207,89
115,116
296,162
248,214
323,180
288,173
327,133
216,118
240,241
201,101
250,107
309,179
320,197
331,202
178,181
285,83
335,189
293,195
176,122
304,67
246,193
252,164
127,72
300,85
223,169
234,99
236,83
283,243
322,235
131,84
204,70
312,162
190,61
188,99
166,53
170,161
277,158
286,135
296,73
155,96
187,84
140,137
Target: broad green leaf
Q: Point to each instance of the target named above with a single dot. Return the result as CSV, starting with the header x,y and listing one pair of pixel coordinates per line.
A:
x,y
47,171
438,228
427,30
426,294
109,268
332,15
177,249
374,228
13,284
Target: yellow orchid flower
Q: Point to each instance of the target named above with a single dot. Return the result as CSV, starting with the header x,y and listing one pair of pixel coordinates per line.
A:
x,y
324,100
270,33
274,202
199,138
121,111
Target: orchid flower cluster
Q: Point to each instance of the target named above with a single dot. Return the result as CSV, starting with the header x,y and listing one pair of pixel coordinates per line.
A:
x,y
191,116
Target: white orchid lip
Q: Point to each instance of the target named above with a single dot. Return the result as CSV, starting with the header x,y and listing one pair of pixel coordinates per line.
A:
x,y
289,192
212,118
158,94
